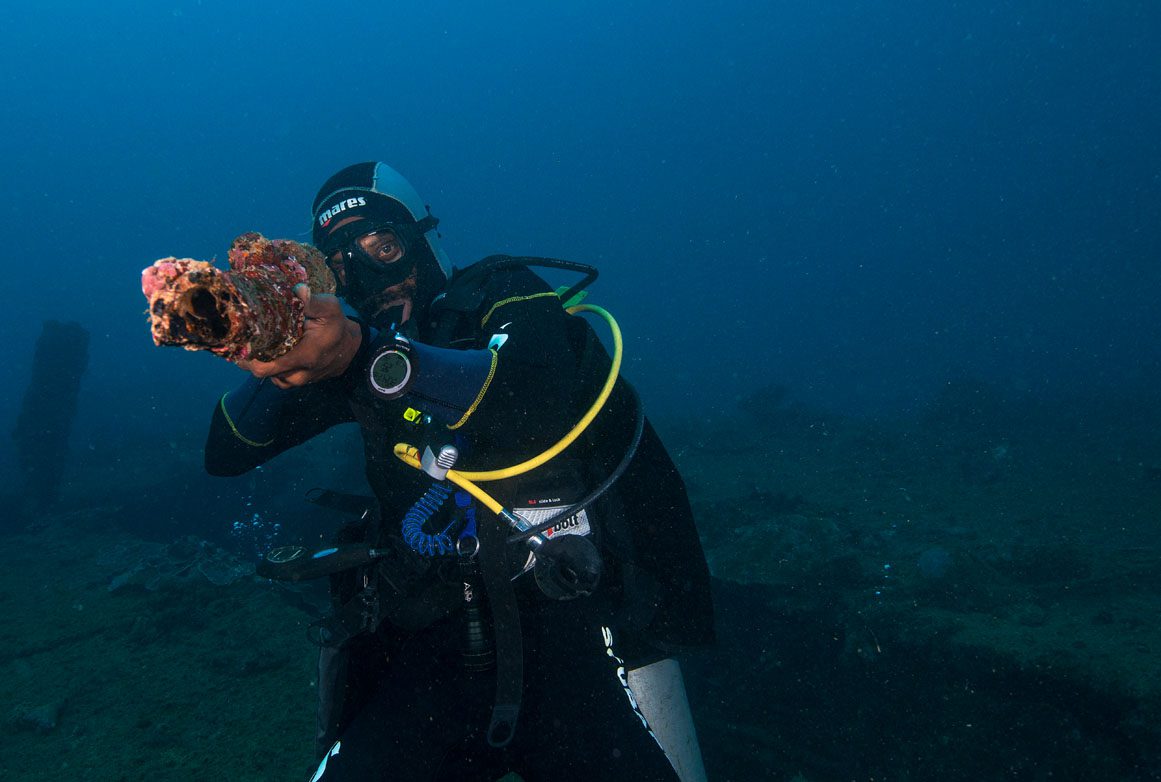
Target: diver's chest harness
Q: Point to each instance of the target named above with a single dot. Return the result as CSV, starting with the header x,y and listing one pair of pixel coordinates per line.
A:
x,y
455,520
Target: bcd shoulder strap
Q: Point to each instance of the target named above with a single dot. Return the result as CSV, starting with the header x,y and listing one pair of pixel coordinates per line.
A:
x,y
466,291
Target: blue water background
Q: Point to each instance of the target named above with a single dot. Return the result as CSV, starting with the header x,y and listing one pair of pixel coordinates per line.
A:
x,y
858,200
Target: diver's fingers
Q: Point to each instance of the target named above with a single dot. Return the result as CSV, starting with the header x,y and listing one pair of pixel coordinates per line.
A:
x,y
323,306
268,369
295,379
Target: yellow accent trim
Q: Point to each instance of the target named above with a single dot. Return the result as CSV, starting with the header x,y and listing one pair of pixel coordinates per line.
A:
x,y
479,396
465,480
234,429
513,300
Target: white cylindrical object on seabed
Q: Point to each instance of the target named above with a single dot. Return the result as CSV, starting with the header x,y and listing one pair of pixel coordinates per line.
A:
x,y
660,692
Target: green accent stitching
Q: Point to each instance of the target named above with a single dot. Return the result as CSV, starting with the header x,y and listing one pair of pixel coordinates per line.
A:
x,y
234,429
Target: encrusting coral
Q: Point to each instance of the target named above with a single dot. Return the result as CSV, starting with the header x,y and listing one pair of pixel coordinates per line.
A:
x,y
247,312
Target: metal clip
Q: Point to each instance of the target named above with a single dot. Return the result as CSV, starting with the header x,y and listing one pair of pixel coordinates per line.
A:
x,y
437,465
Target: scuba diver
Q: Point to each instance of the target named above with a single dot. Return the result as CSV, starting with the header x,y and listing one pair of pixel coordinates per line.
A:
x,y
511,598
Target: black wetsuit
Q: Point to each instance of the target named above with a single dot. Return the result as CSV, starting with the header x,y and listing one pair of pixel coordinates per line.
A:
x,y
407,708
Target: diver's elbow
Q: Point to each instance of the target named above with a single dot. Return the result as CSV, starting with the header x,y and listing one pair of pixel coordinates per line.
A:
x,y
220,467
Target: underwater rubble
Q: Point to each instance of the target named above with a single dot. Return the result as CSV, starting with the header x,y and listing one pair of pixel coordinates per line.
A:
x,y
965,594
154,566
129,659
953,597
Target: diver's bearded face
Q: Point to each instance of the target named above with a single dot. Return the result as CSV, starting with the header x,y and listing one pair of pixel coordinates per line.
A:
x,y
392,305
375,278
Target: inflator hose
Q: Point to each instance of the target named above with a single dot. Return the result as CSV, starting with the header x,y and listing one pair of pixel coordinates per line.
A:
x,y
466,480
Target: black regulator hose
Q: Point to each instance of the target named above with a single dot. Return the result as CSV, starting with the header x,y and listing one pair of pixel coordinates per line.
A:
x,y
604,486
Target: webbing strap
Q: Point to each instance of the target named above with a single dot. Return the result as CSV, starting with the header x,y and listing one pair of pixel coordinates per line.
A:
x,y
358,615
506,631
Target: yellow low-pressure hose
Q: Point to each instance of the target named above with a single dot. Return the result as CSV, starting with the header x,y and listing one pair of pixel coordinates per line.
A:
x,y
581,425
409,454
466,480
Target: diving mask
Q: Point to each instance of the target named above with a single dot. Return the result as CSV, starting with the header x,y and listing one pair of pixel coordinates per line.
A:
x,y
370,265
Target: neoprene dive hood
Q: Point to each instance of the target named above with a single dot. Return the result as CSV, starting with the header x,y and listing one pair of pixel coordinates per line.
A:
x,y
368,197
379,194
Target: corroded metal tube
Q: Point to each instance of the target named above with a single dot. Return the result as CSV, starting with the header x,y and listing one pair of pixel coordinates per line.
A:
x,y
247,312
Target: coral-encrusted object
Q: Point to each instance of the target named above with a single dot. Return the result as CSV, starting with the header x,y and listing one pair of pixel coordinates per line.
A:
x,y
247,312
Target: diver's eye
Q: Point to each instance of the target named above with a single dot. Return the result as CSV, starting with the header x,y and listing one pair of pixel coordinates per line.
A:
x,y
383,246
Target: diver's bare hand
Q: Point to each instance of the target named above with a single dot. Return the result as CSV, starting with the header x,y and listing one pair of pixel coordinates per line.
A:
x,y
329,343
